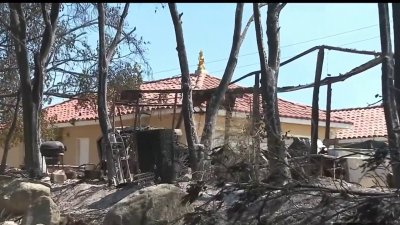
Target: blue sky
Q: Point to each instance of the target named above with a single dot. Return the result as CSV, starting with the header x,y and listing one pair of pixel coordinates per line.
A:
x,y
209,26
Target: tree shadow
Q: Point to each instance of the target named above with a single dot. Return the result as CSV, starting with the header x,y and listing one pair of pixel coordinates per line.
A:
x,y
114,197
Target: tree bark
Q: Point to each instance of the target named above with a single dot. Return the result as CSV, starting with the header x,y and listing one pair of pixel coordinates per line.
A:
x,y
11,131
40,60
32,91
19,32
277,152
105,57
388,97
104,121
396,32
187,102
215,101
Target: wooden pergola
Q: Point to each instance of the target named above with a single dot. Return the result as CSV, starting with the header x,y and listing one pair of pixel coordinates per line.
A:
x,y
132,97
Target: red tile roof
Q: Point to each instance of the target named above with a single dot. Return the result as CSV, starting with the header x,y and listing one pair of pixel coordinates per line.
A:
x,y
67,111
367,122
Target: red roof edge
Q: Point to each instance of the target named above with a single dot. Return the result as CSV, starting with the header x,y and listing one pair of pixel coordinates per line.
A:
x,y
357,108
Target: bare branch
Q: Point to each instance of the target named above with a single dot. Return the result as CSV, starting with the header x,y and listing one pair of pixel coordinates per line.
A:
x,y
84,25
50,29
251,19
117,37
71,72
217,97
63,95
126,36
280,7
45,15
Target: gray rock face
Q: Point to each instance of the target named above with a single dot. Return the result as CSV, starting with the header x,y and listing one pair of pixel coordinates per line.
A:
x,y
153,205
16,195
42,211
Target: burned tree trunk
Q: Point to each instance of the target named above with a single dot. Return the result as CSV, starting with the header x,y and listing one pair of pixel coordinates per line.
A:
x,y
7,142
187,102
277,152
328,111
389,103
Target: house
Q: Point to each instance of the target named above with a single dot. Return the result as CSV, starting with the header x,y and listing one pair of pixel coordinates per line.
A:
x,y
367,134
79,130
368,124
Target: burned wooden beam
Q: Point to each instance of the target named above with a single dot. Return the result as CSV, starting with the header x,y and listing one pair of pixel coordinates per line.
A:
x,y
135,94
229,105
256,124
281,64
328,111
300,55
366,66
315,105
349,50
173,114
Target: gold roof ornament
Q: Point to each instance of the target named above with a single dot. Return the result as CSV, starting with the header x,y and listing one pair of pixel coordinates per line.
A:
x,y
201,67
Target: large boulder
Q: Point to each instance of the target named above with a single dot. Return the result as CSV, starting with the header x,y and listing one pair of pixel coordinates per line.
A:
x,y
153,205
16,195
9,223
42,211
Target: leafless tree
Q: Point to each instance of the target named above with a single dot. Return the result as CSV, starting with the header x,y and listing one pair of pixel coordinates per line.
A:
x,y
388,96
219,94
269,77
214,103
187,102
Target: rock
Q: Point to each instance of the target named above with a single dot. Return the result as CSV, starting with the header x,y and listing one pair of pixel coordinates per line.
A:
x,y
17,194
71,174
42,211
9,223
158,204
58,177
